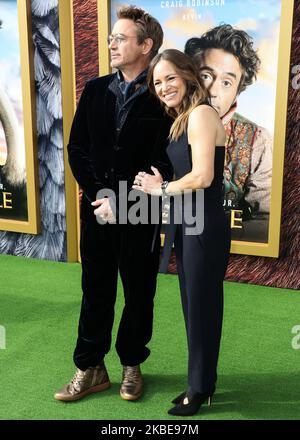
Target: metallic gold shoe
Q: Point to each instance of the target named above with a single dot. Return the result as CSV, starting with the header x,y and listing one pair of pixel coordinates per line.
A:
x,y
92,380
132,383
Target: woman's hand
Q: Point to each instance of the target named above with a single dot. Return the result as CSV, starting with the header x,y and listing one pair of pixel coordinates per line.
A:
x,y
148,183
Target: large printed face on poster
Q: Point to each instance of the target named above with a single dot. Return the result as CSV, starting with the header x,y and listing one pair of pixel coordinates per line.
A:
x,y
247,108
13,197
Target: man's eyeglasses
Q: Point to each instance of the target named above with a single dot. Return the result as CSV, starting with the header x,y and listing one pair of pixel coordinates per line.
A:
x,y
118,38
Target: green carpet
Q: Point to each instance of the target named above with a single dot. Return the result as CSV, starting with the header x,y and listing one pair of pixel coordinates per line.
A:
x,y
40,300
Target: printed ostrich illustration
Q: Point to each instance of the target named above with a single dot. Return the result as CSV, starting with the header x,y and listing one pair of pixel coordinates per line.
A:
x,y
12,167
12,171
50,243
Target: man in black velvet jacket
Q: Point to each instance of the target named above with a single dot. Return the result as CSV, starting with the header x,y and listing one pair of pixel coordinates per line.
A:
x,y
119,129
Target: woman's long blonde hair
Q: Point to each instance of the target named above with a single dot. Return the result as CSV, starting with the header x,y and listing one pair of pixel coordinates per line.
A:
x,y
195,95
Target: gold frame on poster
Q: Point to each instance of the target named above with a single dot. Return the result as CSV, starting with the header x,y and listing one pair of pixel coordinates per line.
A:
x,y
103,31
68,90
68,86
270,249
32,226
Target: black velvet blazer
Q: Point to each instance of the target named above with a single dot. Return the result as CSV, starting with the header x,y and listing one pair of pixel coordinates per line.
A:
x,y
99,157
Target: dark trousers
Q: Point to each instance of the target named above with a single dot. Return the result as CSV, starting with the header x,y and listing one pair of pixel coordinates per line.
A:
x,y
201,266
105,250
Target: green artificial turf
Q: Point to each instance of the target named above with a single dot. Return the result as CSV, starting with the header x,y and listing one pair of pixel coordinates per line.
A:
x,y
40,301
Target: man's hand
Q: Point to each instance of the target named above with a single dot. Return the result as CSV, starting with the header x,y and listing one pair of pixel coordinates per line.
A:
x,y
104,210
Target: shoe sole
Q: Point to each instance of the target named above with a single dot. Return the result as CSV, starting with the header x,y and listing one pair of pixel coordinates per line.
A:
x,y
129,397
96,389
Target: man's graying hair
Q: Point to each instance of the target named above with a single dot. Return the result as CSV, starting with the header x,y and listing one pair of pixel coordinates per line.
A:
x,y
234,41
147,26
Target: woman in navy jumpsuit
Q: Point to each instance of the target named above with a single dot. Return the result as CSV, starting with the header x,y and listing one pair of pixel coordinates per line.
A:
x,y
197,152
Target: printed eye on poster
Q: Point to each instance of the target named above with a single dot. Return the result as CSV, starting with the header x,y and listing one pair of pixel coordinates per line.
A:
x,y
18,182
253,112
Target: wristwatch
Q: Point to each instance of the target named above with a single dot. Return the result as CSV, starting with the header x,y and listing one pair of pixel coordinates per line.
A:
x,y
163,186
